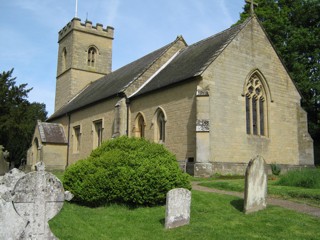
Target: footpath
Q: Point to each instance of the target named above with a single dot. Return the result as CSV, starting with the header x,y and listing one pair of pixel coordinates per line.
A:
x,y
298,207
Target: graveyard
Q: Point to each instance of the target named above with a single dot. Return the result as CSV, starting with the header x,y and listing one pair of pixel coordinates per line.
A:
x,y
35,205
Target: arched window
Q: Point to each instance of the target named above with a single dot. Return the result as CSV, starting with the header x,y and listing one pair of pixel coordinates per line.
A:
x,y
256,106
92,55
64,59
160,125
140,126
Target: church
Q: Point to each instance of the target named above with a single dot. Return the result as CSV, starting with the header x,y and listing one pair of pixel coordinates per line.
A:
x,y
215,104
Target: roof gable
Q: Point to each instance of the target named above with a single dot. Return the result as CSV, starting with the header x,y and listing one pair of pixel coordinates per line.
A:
x,y
193,60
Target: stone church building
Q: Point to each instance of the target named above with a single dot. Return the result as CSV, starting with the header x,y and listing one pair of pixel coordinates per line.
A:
x,y
215,104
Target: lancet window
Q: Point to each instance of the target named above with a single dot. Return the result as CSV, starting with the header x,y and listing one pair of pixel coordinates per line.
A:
x,y
140,126
160,126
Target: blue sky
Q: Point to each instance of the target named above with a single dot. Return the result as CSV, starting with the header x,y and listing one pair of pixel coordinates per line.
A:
x,y
29,32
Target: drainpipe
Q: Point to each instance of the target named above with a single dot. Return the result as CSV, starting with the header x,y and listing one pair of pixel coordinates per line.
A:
x,y
68,141
128,113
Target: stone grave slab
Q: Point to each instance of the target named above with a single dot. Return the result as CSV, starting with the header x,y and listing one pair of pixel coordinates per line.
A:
x,y
178,204
256,183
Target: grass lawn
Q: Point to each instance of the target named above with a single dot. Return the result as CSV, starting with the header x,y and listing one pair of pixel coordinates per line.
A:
x,y
299,194
213,216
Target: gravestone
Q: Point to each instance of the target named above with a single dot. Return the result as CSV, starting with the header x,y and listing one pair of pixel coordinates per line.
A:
x,y
11,224
4,165
178,208
36,197
256,183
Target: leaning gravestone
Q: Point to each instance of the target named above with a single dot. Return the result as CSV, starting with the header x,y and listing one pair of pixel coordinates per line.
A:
x,y
37,197
256,183
178,208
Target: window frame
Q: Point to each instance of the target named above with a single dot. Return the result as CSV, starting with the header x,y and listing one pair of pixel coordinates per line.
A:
x,y
76,139
256,93
97,129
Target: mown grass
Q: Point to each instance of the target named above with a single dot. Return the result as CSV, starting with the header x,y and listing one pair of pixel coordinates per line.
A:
x,y
213,216
288,186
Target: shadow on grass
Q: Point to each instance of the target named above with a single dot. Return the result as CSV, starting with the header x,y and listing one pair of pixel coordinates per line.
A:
x,y
238,204
162,221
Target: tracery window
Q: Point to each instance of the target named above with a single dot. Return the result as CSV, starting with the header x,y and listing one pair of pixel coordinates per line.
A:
x,y
256,120
92,55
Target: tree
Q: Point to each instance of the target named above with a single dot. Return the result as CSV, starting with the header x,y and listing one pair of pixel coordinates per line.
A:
x,y
17,117
294,29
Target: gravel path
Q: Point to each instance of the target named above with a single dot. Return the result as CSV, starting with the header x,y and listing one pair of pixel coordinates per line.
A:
x,y
299,207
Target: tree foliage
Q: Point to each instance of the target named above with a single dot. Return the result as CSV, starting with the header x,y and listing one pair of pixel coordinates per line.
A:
x,y
17,117
294,28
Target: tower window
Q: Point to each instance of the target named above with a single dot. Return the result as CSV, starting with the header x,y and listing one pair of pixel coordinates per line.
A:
x,y
92,55
64,59
255,107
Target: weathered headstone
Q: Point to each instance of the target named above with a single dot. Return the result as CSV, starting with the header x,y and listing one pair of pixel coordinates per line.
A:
x,y
256,182
11,224
178,208
4,165
37,197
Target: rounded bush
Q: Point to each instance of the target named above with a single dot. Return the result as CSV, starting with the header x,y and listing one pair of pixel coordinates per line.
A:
x,y
125,170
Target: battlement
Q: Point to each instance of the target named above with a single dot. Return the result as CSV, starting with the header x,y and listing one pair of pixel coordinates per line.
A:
x,y
75,24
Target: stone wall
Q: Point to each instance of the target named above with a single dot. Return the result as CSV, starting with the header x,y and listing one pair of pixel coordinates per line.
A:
x,y
85,119
179,105
229,142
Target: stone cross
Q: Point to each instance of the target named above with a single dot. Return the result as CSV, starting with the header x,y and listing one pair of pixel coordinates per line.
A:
x,y
38,197
256,184
252,5
178,208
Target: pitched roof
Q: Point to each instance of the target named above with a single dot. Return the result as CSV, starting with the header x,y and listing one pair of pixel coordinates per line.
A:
x,y
112,84
193,60
52,133
190,62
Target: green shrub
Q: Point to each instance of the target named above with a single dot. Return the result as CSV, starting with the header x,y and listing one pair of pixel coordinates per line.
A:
x,y
307,178
125,170
276,169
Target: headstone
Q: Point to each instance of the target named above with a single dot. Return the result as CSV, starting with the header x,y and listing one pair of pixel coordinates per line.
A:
x,y
4,165
11,224
256,183
178,208
36,197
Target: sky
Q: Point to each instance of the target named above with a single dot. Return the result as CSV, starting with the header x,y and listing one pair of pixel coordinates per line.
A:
x,y
29,32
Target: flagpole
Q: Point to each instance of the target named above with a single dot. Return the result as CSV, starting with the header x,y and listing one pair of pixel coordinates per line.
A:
x,y
76,12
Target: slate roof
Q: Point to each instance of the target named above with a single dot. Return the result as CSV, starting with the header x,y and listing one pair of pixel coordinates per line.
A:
x,y
112,84
190,62
52,133
193,60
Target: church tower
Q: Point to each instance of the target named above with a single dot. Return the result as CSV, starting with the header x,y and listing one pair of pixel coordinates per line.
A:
x,y
84,55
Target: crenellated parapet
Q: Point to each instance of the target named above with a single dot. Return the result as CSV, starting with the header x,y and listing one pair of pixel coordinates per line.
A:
x,y
76,24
